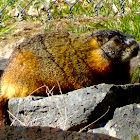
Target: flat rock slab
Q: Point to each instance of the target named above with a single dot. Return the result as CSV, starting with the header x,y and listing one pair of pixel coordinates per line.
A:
x,y
62,111
74,110
47,133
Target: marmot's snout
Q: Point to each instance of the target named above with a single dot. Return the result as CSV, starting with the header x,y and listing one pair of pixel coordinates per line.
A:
x,y
132,44
131,50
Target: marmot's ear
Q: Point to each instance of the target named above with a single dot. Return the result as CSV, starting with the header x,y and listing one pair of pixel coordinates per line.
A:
x,y
93,42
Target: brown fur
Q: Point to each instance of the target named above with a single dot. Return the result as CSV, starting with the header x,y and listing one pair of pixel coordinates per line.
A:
x,y
69,61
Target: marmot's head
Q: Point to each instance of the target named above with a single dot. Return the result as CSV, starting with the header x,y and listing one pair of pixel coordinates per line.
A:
x,y
115,45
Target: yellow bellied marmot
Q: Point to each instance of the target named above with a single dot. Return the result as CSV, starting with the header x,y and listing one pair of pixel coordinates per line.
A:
x,y
68,61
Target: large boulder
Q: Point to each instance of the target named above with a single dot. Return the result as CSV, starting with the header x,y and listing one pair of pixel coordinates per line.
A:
x,y
74,110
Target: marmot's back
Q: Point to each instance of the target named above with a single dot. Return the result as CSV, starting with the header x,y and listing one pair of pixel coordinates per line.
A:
x,y
66,61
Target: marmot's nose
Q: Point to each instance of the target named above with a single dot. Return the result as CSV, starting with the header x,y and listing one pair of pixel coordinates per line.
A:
x,y
129,40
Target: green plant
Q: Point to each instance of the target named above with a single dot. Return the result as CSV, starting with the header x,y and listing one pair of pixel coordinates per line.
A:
x,y
6,30
127,23
136,76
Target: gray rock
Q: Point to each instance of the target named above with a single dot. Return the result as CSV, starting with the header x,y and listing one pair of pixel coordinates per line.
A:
x,y
47,133
3,63
74,110
125,123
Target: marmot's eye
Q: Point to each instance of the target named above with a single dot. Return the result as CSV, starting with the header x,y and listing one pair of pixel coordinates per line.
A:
x,y
99,38
117,41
